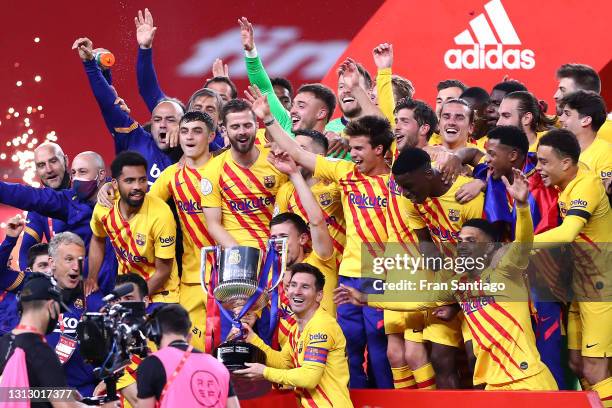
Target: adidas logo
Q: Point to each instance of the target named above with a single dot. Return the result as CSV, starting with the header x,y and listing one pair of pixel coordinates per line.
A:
x,y
487,51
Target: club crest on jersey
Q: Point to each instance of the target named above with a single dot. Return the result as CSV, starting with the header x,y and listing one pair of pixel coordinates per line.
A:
x,y
78,303
269,181
141,239
325,199
453,215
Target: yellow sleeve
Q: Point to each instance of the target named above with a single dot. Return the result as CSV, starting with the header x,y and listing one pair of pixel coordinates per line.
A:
x,y
282,198
384,88
583,200
96,221
414,218
161,186
164,232
211,192
403,306
320,342
516,259
275,359
331,169
474,208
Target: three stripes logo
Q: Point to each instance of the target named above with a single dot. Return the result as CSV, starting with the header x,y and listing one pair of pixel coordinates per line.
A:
x,y
488,50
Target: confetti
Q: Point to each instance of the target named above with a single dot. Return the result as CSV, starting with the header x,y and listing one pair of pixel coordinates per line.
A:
x,y
37,78
36,39
19,83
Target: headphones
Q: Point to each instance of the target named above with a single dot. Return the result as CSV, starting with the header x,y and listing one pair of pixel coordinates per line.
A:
x,y
153,327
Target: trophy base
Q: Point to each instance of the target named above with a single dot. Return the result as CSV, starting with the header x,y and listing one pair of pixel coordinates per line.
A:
x,y
233,354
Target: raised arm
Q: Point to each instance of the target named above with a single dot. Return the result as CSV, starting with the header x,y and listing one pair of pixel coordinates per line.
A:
x,y
322,243
36,228
117,119
148,86
258,75
259,104
383,58
10,280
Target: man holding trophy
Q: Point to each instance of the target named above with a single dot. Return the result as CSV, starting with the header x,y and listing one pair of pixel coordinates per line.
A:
x,y
314,359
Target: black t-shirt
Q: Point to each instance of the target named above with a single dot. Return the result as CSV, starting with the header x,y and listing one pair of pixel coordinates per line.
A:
x,y
44,368
151,376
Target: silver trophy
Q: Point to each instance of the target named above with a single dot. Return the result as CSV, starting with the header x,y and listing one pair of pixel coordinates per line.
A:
x,y
235,283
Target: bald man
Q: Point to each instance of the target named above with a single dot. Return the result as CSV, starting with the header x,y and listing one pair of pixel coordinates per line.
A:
x,y
71,209
52,170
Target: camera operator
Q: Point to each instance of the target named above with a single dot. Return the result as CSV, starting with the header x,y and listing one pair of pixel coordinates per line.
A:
x,y
178,375
126,386
41,305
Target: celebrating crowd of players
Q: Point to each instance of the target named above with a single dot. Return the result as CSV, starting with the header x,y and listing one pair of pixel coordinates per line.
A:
x,y
391,176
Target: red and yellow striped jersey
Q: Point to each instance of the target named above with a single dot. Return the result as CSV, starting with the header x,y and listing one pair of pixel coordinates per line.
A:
x,y
498,318
364,202
182,183
397,215
328,196
246,196
585,198
444,216
149,234
320,347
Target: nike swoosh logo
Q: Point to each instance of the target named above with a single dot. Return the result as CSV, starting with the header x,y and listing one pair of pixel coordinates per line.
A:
x,y
228,188
545,319
591,345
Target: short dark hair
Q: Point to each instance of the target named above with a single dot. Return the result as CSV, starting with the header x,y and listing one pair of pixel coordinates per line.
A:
x,y
587,103
136,280
478,94
509,86
225,80
483,225
322,93
511,136
126,158
376,128
316,136
211,93
173,318
310,270
197,116
563,142
402,87
235,106
36,251
409,160
459,101
29,305
451,83
583,75
365,74
297,221
422,112
283,83
527,102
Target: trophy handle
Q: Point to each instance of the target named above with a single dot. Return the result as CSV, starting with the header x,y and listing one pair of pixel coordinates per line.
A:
x,y
281,275
203,253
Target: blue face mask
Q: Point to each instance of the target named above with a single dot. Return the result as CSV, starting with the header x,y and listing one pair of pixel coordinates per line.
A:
x,y
84,189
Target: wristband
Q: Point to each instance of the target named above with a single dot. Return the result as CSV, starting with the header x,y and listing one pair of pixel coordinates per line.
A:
x,y
269,122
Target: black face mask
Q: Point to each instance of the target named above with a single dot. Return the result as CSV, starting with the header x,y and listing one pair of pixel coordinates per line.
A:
x,y
52,323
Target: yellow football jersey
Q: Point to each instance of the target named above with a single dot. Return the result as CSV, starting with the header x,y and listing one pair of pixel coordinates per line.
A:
x,y
435,139
149,234
605,131
320,347
364,202
246,196
585,198
598,157
444,216
328,195
182,184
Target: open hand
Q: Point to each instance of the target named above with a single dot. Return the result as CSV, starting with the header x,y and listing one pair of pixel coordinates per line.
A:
x,y
246,34
259,102
383,56
145,30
